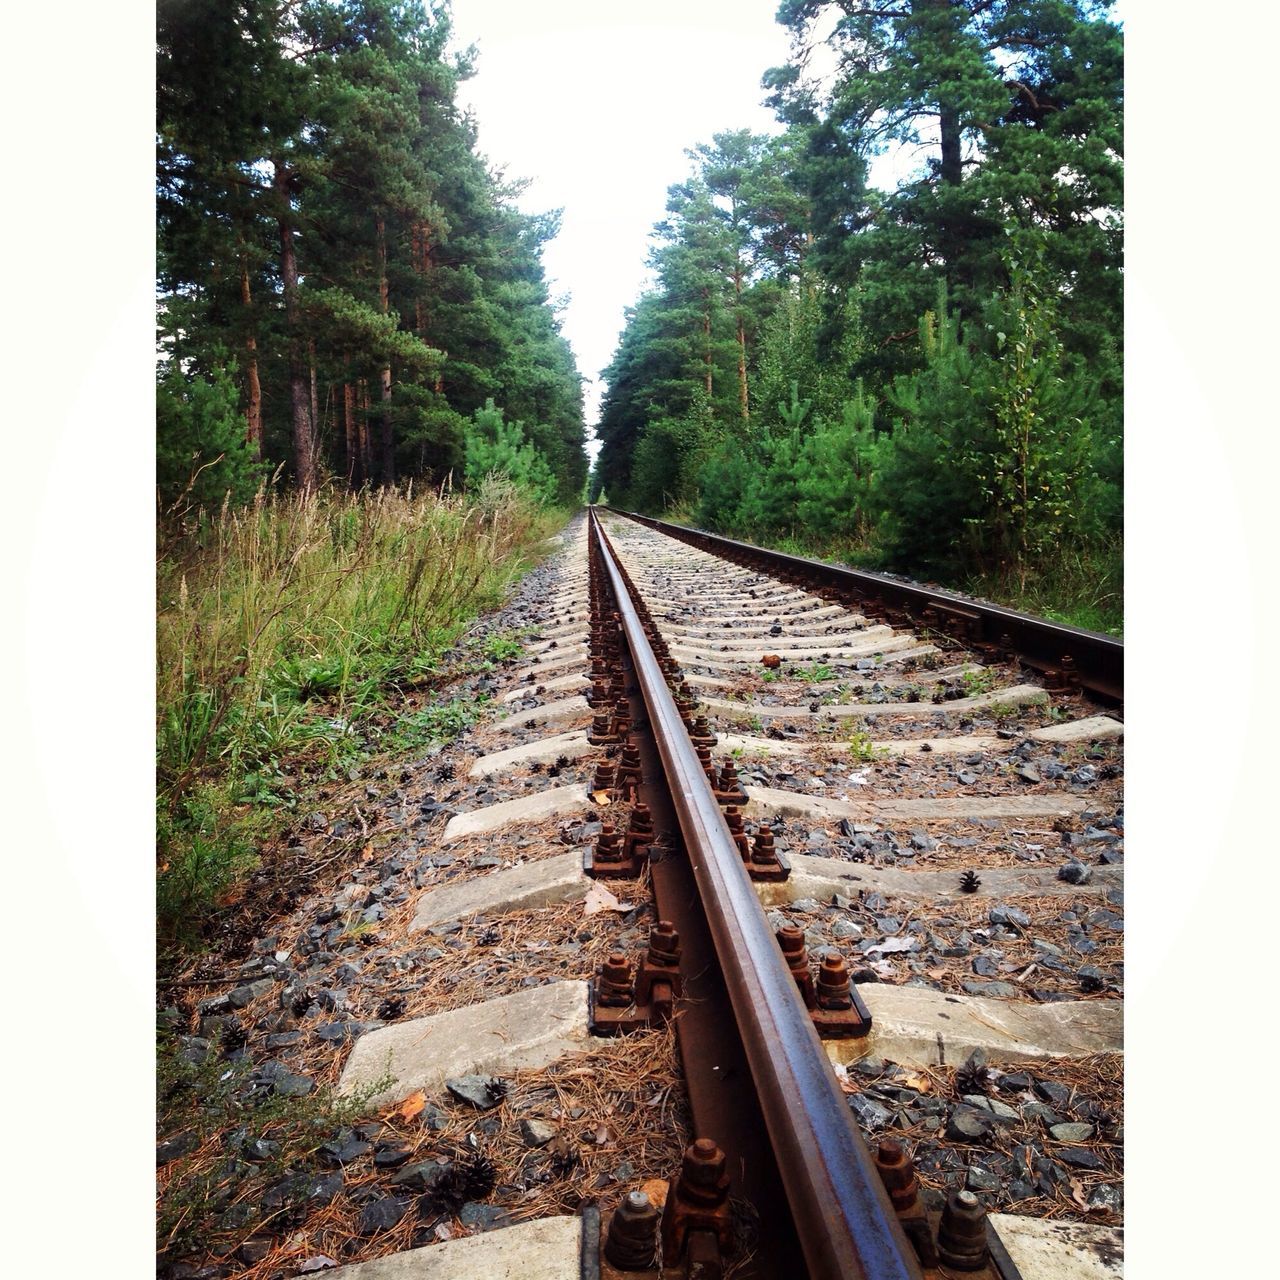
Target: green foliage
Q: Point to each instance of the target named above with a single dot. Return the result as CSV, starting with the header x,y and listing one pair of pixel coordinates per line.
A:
x,y
976,682
817,673
202,454
503,646
332,133
986,439
434,725
863,749
288,630
991,439
495,446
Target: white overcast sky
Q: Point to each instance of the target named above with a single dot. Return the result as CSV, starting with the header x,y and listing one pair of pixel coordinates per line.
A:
x,y
596,103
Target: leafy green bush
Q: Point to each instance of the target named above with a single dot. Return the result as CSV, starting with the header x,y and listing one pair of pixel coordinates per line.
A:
x,y
202,454
991,439
495,446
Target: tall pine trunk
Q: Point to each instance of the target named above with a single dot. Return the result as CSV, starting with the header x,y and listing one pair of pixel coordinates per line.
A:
x,y
253,410
299,395
315,403
742,343
366,459
349,437
387,450
706,340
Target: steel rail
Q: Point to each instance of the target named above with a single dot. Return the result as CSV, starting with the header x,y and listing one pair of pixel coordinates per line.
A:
x,y
1099,658
842,1214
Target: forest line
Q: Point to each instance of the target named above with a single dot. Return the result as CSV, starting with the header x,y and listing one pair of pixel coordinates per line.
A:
x,y
927,378
347,290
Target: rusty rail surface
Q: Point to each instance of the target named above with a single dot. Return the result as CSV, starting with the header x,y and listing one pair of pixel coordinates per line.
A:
x,y
1094,659
842,1214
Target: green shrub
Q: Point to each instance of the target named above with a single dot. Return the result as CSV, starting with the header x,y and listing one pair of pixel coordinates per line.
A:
x,y
202,454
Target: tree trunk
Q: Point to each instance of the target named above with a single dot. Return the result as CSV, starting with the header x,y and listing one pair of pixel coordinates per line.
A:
x,y
253,411
350,439
742,343
315,404
706,341
952,163
387,450
366,459
303,437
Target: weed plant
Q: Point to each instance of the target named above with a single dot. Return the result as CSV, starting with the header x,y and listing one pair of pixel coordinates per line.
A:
x,y
287,630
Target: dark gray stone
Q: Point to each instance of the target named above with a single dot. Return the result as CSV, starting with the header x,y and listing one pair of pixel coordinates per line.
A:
x,y
1106,919
1091,979
1013,1082
1075,872
1107,1196
870,1114
537,1133
1003,990
476,1090
282,1081
482,1217
172,1148
344,1151
380,1215
421,1176
1081,1158
303,1188
1002,914
1041,1111
1055,1094
1071,1132
967,1124
243,996
980,1179
391,1157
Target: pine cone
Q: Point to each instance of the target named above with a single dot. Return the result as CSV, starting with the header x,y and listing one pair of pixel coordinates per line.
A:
x,y
969,882
971,1076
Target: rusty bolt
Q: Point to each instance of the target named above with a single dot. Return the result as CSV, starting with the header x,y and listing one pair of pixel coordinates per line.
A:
x,y
608,844
764,850
603,780
664,944
833,983
897,1174
962,1234
703,1178
613,988
633,1234
796,954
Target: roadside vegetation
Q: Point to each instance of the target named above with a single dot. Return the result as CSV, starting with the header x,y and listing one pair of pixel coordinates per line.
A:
x,y
290,631
921,372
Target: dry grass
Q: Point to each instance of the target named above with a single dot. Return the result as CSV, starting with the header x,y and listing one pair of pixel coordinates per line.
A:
x,y
619,1103
283,628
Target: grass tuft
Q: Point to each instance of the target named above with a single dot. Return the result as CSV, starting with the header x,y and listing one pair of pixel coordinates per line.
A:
x,y
287,631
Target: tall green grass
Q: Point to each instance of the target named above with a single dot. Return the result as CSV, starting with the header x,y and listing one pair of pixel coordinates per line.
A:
x,y
283,627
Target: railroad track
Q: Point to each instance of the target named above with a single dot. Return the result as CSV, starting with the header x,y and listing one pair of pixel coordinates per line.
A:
x,y
779,938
